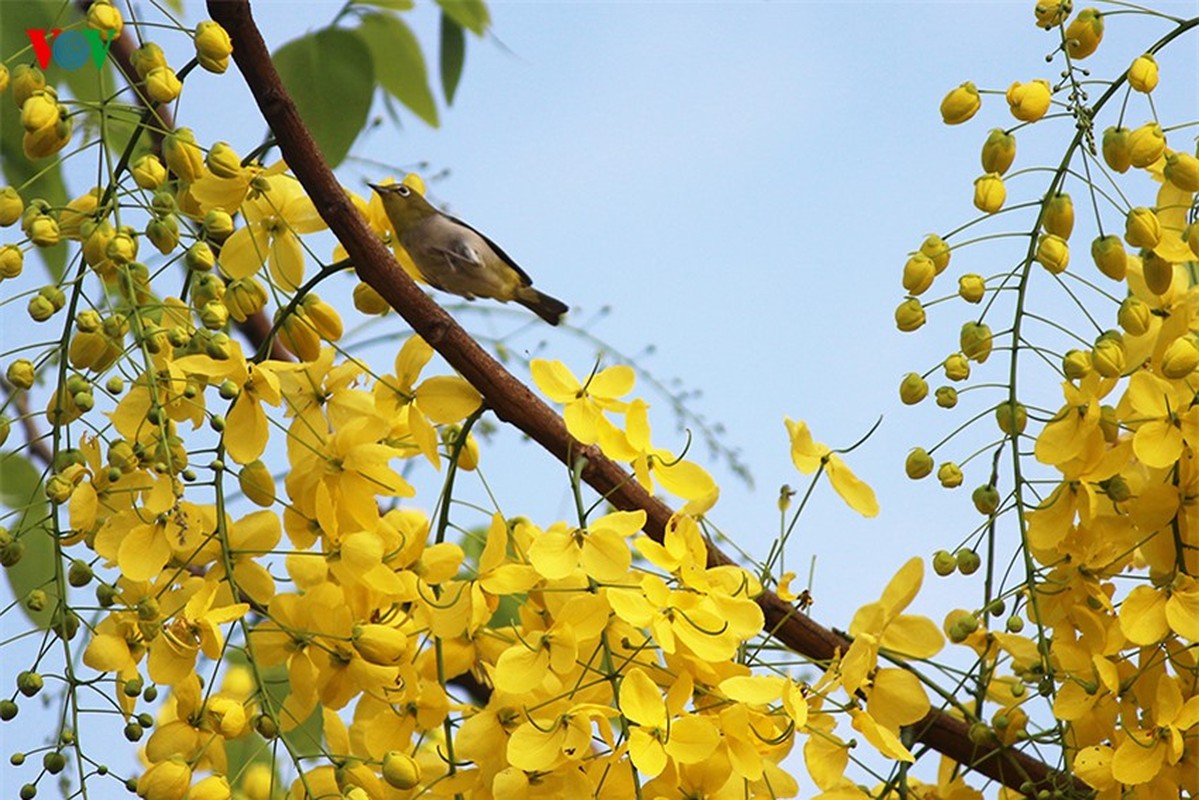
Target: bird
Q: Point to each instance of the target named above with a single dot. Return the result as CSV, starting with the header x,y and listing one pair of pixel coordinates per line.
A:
x,y
454,257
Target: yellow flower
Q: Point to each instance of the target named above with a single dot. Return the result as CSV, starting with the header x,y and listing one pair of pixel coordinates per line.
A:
x,y
600,548
537,654
274,220
1161,414
195,629
660,731
809,456
1145,752
585,404
680,477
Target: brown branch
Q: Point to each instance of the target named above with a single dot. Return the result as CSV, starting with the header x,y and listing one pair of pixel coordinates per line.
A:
x,y
514,403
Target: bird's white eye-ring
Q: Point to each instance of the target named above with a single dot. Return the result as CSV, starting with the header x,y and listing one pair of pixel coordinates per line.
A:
x,y
403,191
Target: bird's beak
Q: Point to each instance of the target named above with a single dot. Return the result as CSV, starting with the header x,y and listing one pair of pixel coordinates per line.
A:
x,y
377,187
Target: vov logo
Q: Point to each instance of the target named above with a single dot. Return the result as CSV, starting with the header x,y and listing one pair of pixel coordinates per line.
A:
x,y
70,49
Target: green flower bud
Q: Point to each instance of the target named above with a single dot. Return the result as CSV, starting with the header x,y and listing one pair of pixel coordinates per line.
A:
x,y
1053,253
1058,218
122,248
912,389
957,368
26,79
918,464
146,58
217,226
1108,358
40,309
986,499
947,396
944,563
163,234
214,316
245,297
223,161
1011,418
968,561
909,315
1157,272
1117,153
999,151
975,341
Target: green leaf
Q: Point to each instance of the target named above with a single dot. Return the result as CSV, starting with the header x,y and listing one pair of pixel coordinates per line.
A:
x,y
453,55
331,79
399,63
21,491
395,5
471,14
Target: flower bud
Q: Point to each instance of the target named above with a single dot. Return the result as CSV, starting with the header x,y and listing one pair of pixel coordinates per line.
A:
x,y
1117,488
1134,316
1084,34
380,644
213,46
166,780
972,287
87,349
11,206
912,389
148,172
944,563
999,151
986,499
950,475
163,233
968,561
975,341
400,770
122,248
40,309
368,301
909,315
217,225
1182,170
182,155
1142,75
936,248
245,297
1108,358
44,232
1110,256
163,85
20,373
80,210
918,464
1157,272
323,317
299,337
199,257
26,79
1117,153
1142,228
960,104
208,288
213,315
1180,358
12,261
1058,218
223,161
214,787
1011,418
40,110
947,396
104,17
146,58
1053,253
989,193
219,347
957,368
1051,13
918,274
1146,145
1029,101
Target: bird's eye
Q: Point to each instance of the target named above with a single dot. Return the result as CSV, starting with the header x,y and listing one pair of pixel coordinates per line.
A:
x,y
403,190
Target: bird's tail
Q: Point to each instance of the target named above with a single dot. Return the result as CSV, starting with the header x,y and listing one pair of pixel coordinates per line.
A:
x,y
550,309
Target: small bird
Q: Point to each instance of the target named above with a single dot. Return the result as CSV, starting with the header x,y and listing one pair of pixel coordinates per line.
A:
x,y
456,258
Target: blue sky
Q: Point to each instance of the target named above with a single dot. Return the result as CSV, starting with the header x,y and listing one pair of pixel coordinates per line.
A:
x,y
740,183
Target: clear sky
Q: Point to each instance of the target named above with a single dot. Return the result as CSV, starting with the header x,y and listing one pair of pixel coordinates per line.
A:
x,y
740,184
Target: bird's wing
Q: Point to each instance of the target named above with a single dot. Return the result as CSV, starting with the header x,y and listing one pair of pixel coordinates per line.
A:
x,y
507,259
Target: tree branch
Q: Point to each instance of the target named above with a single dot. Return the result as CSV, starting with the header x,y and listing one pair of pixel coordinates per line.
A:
x,y
514,403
